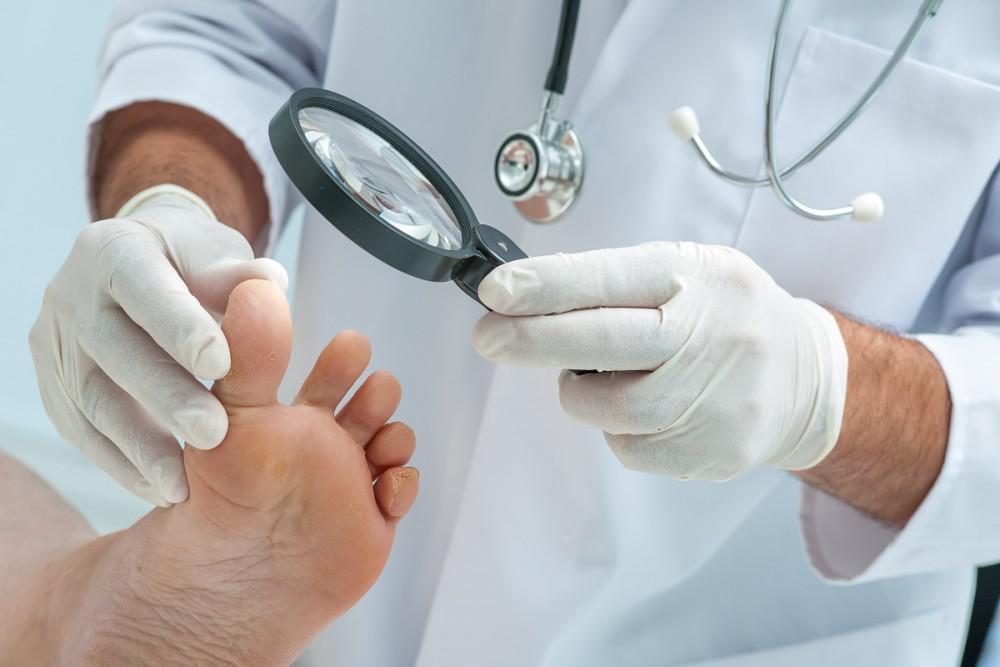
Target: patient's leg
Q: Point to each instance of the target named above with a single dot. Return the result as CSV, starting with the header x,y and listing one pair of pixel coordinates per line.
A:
x,y
36,526
288,523
35,522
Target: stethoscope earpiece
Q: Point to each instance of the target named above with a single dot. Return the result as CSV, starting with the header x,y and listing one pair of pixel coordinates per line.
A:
x,y
867,207
683,122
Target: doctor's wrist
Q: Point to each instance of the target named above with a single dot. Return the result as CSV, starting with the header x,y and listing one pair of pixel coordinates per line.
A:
x,y
151,143
894,434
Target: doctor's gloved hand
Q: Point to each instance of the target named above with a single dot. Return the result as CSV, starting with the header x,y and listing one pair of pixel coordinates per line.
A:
x,y
127,326
708,368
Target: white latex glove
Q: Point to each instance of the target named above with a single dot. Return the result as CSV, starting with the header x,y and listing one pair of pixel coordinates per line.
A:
x,y
714,369
126,327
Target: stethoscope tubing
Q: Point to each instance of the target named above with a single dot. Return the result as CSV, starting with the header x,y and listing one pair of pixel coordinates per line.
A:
x,y
863,207
774,175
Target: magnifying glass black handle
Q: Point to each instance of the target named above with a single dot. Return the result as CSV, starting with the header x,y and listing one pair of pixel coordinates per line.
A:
x,y
493,248
496,248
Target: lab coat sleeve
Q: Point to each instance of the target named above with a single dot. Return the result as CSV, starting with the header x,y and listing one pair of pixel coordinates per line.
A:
x,y
958,523
234,60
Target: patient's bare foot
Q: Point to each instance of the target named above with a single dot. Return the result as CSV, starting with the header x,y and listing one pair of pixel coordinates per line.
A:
x,y
284,528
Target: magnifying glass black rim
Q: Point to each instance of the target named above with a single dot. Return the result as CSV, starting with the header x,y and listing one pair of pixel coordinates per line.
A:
x,y
340,207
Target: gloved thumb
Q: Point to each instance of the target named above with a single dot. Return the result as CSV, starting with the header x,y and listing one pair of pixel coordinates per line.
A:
x,y
214,283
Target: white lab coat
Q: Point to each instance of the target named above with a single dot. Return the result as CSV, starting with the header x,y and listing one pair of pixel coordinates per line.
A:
x,y
530,545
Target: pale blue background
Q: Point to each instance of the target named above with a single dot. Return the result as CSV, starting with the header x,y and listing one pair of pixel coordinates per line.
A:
x,y
48,68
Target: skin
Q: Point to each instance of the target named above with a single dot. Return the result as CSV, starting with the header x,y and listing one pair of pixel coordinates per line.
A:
x,y
896,421
289,522
149,143
895,431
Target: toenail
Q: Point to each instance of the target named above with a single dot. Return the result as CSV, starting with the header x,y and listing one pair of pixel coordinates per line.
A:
x,y
397,480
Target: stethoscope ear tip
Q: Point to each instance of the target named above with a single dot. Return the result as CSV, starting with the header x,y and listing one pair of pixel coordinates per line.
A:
x,y
867,207
684,122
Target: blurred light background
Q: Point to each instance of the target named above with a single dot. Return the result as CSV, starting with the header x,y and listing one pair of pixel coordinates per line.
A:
x,y
48,72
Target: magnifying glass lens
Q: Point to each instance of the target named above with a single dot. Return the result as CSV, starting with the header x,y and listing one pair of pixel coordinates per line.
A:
x,y
379,178
378,187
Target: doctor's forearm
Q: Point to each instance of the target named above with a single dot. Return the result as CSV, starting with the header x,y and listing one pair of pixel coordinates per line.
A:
x,y
149,143
895,428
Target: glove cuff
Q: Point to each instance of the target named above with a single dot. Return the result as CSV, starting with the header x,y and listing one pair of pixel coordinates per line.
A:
x,y
825,413
169,194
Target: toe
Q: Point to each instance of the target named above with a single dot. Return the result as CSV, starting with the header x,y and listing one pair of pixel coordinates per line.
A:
x,y
339,366
371,406
396,490
390,447
258,327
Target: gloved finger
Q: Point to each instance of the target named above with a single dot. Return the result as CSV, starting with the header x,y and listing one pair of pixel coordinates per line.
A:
x,y
76,429
148,288
641,276
153,452
139,366
653,453
213,284
594,339
211,258
617,402
105,455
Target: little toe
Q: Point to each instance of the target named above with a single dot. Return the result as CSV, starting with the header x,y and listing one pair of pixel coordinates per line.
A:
x,y
258,328
396,491
371,406
338,367
390,447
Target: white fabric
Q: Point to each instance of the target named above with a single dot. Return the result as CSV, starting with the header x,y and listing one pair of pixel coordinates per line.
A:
x,y
125,327
530,544
716,369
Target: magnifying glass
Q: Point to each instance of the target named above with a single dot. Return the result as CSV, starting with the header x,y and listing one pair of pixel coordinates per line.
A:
x,y
374,184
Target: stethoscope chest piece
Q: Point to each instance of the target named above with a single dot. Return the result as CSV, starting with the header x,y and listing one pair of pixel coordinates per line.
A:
x,y
541,170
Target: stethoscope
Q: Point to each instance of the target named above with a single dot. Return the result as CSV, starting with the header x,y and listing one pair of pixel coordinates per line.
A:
x,y
541,169
387,195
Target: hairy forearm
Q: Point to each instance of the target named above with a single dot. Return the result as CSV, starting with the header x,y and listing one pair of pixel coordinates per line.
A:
x,y
895,428
149,143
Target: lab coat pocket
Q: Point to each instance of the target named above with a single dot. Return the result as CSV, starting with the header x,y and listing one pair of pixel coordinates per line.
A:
x,y
917,641
927,145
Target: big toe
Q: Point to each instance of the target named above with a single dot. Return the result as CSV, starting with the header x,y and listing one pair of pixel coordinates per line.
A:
x,y
258,327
